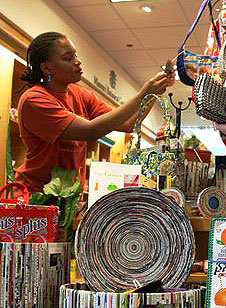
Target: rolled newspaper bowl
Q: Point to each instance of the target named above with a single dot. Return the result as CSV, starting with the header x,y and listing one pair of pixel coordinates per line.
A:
x,y
76,295
132,234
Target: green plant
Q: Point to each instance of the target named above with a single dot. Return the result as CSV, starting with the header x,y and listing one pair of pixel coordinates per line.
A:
x,y
66,191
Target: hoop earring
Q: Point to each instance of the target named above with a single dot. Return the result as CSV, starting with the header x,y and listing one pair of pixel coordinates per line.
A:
x,y
49,78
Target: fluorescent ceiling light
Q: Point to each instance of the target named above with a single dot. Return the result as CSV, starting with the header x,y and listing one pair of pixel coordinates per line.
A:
x,y
146,8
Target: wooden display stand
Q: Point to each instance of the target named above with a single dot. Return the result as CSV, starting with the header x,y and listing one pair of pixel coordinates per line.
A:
x,y
13,43
18,149
201,227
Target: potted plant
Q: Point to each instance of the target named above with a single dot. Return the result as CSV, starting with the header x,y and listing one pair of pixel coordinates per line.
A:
x,y
66,192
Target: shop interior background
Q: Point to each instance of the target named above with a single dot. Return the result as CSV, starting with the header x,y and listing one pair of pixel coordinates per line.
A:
x,y
142,42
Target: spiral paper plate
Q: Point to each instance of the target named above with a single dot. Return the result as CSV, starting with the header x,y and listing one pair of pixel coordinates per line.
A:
x,y
132,234
176,194
211,202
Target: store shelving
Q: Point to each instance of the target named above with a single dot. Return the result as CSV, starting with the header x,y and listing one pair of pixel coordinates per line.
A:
x,y
18,149
198,277
201,227
200,224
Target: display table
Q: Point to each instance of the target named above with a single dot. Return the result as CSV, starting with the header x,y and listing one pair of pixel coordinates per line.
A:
x,y
76,295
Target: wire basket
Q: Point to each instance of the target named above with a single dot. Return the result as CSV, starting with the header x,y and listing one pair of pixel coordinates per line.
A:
x,y
210,99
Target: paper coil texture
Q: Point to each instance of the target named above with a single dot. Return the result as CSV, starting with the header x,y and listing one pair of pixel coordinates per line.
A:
x,y
134,233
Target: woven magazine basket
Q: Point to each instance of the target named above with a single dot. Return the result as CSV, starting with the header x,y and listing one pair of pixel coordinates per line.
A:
x,y
210,99
210,95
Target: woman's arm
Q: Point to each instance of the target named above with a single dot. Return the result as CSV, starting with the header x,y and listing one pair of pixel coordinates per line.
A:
x,y
82,129
127,127
120,118
129,124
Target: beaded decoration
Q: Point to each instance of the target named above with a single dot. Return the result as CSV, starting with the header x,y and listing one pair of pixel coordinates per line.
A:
x,y
222,62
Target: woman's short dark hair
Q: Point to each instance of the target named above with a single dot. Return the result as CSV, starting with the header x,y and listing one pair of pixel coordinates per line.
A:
x,y
38,52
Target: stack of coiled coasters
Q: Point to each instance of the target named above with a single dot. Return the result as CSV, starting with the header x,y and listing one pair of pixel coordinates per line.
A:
x,y
132,234
176,194
211,202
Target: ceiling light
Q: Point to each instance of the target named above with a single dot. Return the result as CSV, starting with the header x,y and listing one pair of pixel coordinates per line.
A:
x,y
146,9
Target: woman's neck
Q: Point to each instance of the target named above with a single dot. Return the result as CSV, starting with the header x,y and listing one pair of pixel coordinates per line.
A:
x,y
56,87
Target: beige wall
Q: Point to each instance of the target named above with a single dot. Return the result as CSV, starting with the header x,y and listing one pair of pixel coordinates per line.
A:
x,y
37,16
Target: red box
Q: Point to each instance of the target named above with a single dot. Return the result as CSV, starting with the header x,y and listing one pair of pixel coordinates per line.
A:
x,y
20,222
198,156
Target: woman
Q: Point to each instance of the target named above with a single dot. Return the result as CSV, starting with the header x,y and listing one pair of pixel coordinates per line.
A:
x,y
57,117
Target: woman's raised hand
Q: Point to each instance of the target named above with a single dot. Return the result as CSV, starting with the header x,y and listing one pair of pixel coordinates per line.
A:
x,y
158,84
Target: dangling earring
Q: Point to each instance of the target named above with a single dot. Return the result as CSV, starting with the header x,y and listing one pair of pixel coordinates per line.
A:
x,y
49,78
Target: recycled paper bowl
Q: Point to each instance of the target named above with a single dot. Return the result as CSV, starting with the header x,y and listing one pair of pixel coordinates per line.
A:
x,y
76,295
132,234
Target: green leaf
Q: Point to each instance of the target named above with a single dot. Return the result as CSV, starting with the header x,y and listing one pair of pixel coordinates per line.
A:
x,y
76,189
67,212
67,190
61,182
61,205
61,220
70,210
38,198
71,239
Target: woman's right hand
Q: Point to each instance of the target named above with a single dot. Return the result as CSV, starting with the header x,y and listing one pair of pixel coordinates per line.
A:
x,y
158,84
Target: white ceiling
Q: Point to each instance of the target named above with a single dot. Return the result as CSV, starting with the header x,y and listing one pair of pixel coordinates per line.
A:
x,y
155,37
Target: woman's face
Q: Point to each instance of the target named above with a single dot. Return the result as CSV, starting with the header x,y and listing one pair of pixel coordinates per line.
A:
x,y
63,64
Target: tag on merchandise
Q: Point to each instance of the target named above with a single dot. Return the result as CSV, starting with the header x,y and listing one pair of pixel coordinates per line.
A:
x,y
169,67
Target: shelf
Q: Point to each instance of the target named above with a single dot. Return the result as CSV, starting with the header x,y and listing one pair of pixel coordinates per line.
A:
x,y
200,223
106,141
14,126
197,277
